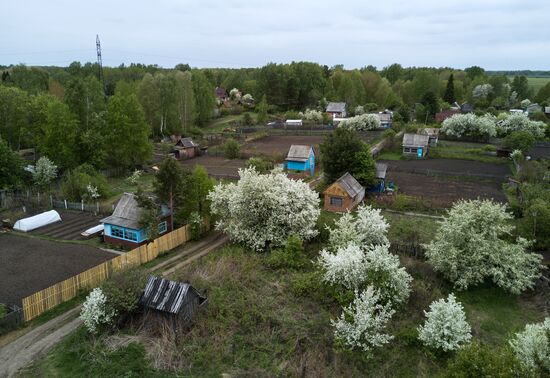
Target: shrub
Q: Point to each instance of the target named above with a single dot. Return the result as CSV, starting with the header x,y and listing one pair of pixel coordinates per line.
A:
x,y
470,125
292,256
445,327
231,149
520,122
44,173
260,165
477,360
532,348
362,323
520,140
247,119
361,122
95,311
122,292
76,183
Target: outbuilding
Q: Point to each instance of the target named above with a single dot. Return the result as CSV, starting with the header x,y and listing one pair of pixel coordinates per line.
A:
x,y
301,158
123,227
344,194
337,109
386,119
380,186
432,133
415,145
185,148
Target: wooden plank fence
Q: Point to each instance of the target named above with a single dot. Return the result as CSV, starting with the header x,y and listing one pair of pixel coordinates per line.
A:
x,y
44,300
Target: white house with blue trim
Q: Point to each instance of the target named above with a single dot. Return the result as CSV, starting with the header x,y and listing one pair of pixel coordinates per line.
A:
x,y
122,228
301,158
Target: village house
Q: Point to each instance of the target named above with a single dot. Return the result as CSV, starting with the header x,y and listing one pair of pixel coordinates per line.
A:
x,y
432,133
386,119
185,148
444,114
301,158
337,109
533,108
344,194
122,227
177,302
466,108
221,94
415,145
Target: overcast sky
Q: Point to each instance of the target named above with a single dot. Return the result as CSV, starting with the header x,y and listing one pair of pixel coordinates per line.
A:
x,y
494,34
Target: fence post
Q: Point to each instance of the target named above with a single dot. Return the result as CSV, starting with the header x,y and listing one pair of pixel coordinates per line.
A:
x,y
51,201
82,204
65,203
97,206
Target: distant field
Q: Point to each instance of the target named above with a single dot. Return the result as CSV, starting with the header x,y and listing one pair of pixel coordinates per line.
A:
x,y
535,82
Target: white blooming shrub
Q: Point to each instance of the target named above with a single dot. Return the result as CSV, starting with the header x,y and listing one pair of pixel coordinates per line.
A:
x,y
470,125
532,348
134,177
469,247
264,210
359,109
362,122
367,227
45,171
521,122
312,116
445,327
94,311
92,192
482,91
354,268
234,93
362,324
248,98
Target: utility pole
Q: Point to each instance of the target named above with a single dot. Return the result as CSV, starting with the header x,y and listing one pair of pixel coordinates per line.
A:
x,y
99,62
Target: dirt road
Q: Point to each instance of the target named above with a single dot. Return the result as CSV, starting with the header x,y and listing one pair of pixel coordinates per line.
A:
x,y
32,345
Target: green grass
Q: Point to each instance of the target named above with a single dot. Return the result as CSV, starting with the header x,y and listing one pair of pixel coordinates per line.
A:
x,y
390,155
535,82
217,125
120,185
446,150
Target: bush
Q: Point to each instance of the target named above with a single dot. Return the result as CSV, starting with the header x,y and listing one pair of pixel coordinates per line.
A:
x,y
76,184
477,360
231,149
260,165
123,291
95,312
292,256
247,119
520,140
532,348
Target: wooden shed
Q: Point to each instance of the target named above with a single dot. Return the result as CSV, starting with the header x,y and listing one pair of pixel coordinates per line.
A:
x,y
432,133
344,194
185,148
415,145
301,158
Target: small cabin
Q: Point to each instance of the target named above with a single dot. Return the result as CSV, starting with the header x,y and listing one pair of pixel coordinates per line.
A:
x,y
172,300
337,110
415,145
432,133
185,148
122,228
344,194
301,158
386,119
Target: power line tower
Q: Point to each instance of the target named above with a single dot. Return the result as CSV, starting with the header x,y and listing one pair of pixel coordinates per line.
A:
x,y
99,61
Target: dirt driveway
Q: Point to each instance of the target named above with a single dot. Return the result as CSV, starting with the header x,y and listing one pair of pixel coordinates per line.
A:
x,y
28,265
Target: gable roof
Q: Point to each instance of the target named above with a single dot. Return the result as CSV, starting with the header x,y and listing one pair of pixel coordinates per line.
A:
x,y
547,109
298,152
350,185
186,143
384,117
415,140
430,131
127,213
381,169
168,296
336,107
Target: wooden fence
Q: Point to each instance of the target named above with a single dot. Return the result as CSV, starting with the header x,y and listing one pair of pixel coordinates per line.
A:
x,y
39,302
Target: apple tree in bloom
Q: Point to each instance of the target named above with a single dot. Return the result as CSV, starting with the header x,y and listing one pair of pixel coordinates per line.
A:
x,y
45,171
521,122
312,116
470,246
94,311
470,125
362,324
482,91
262,211
367,227
445,327
532,348
355,268
362,122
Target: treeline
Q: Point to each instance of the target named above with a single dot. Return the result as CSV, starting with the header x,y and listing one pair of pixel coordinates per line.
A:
x,y
527,73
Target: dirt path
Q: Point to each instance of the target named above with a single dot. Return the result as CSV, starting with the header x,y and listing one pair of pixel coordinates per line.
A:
x,y
32,345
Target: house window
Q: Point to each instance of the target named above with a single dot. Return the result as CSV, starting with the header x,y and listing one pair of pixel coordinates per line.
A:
x,y
122,233
163,226
336,201
407,149
117,232
414,150
130,235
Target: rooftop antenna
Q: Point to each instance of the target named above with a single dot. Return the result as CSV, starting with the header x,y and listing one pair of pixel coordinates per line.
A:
x,y
99,61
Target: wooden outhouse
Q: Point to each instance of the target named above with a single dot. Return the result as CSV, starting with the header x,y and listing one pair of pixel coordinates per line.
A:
x,y
344,194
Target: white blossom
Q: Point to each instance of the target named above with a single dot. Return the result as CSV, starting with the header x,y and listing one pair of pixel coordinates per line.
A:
x,y
44,172
355,267
362,324
532,347
362,122
366,228
521,122
94,312
469,247
470,125
525,103
482,91
445,327
264,210
248,98
313,116
134,177
359,109
234,93
92,191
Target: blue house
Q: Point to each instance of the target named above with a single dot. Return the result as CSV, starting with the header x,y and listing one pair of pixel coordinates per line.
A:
x,y
301,158
122,228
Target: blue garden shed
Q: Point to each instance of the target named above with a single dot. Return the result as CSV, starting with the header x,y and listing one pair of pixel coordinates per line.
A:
x,y
301,158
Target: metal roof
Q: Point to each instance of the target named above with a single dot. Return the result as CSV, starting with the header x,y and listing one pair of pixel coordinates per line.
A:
x,y
186,143
168,296
430,131
337,107
127,213
350,185
415,140
298,152
547,109
381,169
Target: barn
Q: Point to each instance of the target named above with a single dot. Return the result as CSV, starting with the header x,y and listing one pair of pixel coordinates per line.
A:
x,y
415,145
177,300
301,158
185,148
344,194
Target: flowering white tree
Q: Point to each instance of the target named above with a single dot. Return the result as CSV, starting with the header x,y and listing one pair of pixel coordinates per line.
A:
x,y
362,324
469,247
134,177
521,122
482,91
366,228
45,171
445,327
234,93
94,311
312,116
248,98
362,122
92,192
525,103
355,267
359,109
532,348
264,210
469,125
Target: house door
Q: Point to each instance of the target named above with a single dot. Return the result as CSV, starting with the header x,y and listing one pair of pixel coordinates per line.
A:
x,y
419,153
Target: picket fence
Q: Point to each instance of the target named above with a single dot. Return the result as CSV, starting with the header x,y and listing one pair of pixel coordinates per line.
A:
x,y
44,300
